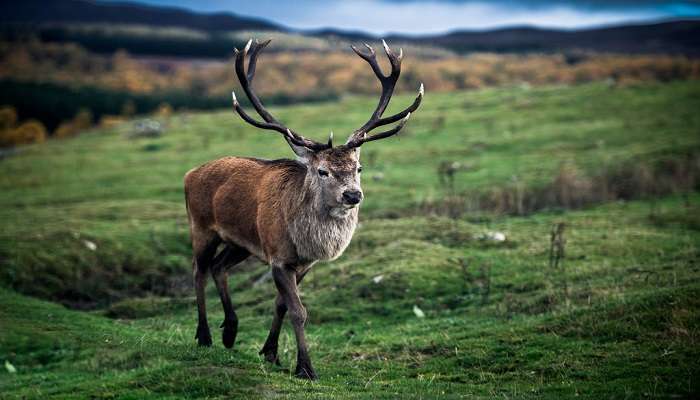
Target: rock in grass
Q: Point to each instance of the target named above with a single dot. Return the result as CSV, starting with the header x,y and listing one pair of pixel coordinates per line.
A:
x,y
419,313
147,128
493,236
10,368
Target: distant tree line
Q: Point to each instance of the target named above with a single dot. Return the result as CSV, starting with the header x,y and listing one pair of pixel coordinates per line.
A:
x,y
53,82
215,46
54,104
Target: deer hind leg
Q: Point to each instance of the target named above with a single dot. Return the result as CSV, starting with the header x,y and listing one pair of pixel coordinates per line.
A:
x,y
227,258
286,282
204,248
270,347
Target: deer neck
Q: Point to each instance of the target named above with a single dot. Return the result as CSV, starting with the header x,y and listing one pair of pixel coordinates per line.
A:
x,y
320,232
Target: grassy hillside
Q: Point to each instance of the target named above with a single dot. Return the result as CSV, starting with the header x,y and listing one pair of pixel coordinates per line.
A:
x,y
98,221
627,323
125,194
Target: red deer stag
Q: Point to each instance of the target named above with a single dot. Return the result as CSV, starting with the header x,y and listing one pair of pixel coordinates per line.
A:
x,y
287,213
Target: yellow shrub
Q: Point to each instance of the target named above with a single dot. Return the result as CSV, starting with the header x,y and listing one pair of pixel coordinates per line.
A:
x,y
8,117
83,119
31,131
109,121
164,110
65,129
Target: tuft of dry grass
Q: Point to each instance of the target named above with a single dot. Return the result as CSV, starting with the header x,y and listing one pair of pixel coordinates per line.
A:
x,y
573,188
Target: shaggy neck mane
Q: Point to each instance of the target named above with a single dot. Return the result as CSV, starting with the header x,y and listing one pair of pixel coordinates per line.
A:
x,y
316,234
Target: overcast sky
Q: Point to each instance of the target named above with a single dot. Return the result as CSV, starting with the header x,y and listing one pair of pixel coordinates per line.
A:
x,y
434,16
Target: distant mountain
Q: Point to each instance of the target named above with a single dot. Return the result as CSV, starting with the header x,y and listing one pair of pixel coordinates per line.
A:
x,y
83,11
672,37
56,20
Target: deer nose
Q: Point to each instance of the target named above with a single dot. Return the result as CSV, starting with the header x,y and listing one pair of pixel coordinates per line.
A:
x,y
352,196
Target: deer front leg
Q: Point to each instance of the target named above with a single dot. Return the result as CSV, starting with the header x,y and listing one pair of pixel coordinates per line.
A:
x,y
270,348
286,282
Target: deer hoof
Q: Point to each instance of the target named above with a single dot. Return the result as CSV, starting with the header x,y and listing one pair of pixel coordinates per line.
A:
x,y
228,336
305,373
270,355
203,336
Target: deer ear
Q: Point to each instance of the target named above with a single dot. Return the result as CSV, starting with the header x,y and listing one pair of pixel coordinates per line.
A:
x,y
302,152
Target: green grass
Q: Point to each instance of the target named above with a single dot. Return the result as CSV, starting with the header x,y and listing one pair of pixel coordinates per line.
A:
x,y
125,195
628,325
621,319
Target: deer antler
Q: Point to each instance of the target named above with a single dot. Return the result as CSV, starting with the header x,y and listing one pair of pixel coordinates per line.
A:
x,y
246,80
388,82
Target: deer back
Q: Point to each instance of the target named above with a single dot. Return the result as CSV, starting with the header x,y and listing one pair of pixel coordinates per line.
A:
x,y
266,207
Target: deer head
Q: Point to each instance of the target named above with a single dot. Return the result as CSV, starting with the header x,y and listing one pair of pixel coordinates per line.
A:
x,y
333,171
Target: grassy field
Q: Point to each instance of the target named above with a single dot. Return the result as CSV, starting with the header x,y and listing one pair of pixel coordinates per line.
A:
x,y
98,222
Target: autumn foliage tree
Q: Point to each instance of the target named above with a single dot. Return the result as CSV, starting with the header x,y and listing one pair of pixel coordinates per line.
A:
x,y
82,120
52,81
11,134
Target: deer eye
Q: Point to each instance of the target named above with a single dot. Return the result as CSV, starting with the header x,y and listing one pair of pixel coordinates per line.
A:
x,y
322,172
359,169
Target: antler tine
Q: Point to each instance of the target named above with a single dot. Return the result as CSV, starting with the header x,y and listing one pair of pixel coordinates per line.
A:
x,y
247,118
390,132
358,141
388,83
246,80
371,58
252,49
254,58
393,59
292,137
413,107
